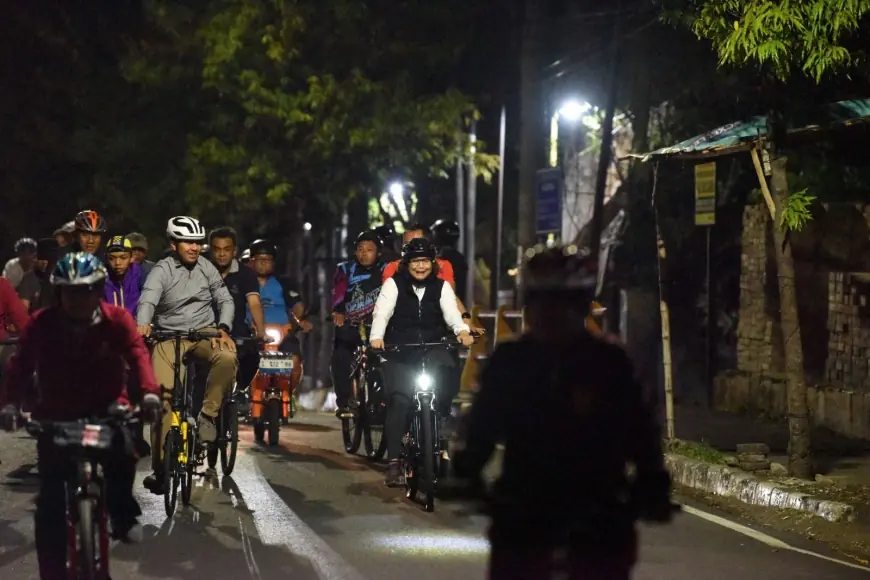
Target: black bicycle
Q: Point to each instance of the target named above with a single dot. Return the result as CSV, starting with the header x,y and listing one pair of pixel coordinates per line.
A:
x,y
367,406
227,421
422,449
182,453
87,444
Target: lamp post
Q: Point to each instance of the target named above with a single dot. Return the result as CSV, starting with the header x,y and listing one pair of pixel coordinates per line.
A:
x,y
571,110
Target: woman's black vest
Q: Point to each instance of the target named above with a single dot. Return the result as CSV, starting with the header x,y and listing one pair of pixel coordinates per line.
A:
x,y
415,320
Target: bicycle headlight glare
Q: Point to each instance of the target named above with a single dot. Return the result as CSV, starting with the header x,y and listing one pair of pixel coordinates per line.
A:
x,y
424,381
274,334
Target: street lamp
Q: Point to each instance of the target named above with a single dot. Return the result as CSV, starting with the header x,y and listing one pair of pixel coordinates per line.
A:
x,y
396,189
572,110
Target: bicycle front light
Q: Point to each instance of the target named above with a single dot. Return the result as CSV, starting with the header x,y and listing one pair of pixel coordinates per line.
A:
x,y
274,334
424,381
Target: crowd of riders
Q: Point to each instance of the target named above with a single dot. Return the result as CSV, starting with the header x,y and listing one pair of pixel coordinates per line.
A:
x,y
83,306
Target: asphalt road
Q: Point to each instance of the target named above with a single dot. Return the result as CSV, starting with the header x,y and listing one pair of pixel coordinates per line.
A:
x,y
308,511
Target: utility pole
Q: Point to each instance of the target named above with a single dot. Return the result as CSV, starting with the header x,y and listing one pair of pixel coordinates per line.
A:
x,y
495,282
606,135
531,113
460,197
471,216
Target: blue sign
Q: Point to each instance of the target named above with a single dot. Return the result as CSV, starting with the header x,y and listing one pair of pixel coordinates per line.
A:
x,y
548,200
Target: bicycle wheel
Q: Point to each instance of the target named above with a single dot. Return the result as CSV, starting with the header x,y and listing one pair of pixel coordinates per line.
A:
x,y
229,422
427,448
87,559
187,469
409,465
273,417
170,472
352,427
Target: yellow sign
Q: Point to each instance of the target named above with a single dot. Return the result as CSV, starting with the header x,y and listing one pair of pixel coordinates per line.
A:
x,y
705,194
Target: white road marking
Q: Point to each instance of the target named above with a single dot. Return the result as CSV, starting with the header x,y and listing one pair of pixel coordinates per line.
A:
x,y
765,538
277,525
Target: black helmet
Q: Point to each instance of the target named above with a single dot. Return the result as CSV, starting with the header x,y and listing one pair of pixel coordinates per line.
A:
x,y
445,232
386,234
369,236
261,247
561,269
418,248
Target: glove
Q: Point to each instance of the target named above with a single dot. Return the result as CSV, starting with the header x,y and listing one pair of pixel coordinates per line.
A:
x,y
9,417
150,408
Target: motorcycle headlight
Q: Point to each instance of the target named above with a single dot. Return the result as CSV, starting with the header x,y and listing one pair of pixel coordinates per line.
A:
x,y
275,335
424,381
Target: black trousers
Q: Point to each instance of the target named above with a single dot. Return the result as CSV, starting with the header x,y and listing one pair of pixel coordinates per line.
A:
x,y
342,361
400,375
50,528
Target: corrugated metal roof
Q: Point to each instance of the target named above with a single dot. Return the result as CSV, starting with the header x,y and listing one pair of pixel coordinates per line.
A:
x,y
743,135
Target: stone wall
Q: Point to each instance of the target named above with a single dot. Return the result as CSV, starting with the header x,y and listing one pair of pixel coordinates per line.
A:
x,y
833,297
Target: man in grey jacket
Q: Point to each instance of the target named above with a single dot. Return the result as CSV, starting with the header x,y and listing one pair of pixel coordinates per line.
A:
x,y
179,295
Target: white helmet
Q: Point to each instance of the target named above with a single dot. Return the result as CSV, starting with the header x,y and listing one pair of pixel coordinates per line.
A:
x,y
185,229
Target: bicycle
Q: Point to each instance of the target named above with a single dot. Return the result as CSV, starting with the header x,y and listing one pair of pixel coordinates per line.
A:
x,y
367,404
227,422
422,449
181,450
87,443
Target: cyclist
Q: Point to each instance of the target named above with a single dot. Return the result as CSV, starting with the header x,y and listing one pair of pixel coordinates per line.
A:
x,y
413,306
64,234
414,231
140,251
281,304
22,263
88,236
445,235
12,315
79,350
587,419
245,290
179,295
355,288
388,243
126,278
41,294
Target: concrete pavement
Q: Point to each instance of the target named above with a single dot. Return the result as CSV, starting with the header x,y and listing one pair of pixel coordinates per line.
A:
x,y
306,510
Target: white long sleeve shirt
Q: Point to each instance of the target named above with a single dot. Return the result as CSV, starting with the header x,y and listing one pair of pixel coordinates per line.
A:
x,y
386,305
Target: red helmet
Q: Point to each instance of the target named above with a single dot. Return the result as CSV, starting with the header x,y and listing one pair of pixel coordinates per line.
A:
x,y
90,221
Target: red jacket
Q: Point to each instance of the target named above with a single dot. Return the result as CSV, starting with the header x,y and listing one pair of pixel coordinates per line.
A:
x,y
81,371
12,310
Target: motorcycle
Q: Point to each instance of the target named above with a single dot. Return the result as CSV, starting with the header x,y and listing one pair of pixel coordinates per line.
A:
x,y
274,385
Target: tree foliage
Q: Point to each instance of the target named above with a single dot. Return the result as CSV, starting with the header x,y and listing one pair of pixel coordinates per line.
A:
x,y
302,102
810,35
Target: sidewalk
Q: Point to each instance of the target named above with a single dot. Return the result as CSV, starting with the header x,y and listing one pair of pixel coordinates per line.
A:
x,y
840,459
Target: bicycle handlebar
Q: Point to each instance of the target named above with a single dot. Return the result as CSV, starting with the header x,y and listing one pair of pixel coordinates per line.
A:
x,y
192,334
446,344
35,428
9,341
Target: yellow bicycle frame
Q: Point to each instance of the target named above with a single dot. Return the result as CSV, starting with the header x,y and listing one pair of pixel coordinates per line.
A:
x,y
182,426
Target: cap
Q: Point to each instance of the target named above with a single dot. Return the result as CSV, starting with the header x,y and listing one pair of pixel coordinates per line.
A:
x,y
119,244
138,241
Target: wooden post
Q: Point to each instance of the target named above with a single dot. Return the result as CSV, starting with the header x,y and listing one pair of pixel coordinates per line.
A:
x,y
665,320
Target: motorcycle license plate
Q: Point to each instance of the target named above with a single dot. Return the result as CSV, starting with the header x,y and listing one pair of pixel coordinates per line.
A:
x,y
91,436
276,364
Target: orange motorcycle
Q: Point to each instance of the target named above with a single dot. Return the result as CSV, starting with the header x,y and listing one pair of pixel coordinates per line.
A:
x,y
273,386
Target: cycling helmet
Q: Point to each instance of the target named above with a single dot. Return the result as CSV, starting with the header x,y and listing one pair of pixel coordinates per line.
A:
x,y
369,236
263,247
78,269
246,255
560,269
90,221
418,248
185,229
445,232
385,233
25,245
138,241
119,244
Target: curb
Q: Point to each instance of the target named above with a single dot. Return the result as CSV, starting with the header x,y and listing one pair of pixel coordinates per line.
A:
x,y
731,482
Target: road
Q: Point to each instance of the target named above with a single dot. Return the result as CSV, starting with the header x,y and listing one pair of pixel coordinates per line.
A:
x,y
308,511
